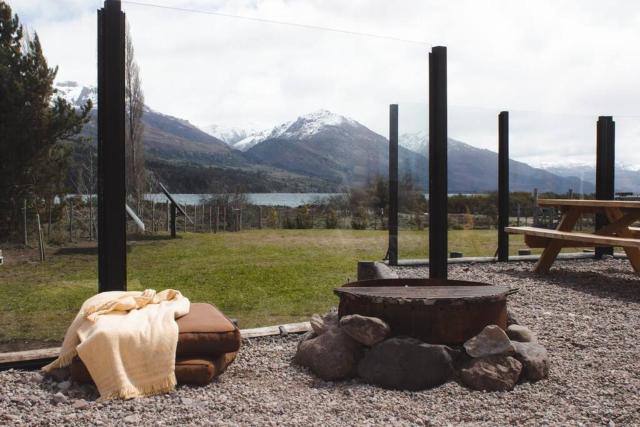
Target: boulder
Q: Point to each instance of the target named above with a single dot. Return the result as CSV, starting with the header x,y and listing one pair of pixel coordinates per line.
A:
x,y
322,323
317,324
511,318
493,373
492,340
406,364
366,330
521,334
334,355
534,359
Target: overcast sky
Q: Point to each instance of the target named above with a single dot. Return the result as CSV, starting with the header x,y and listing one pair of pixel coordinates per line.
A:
x,y
556,65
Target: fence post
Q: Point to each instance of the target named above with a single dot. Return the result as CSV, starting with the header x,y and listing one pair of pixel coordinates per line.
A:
x,y
153,216
70,220
172,223
605,172
217,219
40,238
112,241
438,188
503,185
392,251
24,221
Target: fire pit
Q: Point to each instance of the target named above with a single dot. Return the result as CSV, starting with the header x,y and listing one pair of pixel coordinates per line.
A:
x,y
434,311
414,334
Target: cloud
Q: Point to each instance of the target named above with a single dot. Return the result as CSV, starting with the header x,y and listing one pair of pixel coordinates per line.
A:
x,y
576,57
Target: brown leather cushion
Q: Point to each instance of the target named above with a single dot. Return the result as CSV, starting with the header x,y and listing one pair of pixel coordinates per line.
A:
x,y
196,371
205,331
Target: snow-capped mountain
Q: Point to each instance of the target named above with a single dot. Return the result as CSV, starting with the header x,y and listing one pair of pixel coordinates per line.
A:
x,y
301,128
230,135
416,142
76,94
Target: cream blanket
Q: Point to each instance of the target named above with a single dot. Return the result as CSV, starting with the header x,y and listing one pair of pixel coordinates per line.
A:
x,y
127,341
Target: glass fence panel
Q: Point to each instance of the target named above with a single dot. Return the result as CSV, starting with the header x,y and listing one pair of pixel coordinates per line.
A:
x,y
553,156
48,208
274,141
413,181
627,172
473,181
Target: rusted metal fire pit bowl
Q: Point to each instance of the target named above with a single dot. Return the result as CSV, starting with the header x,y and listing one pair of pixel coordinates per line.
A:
x,y
434,311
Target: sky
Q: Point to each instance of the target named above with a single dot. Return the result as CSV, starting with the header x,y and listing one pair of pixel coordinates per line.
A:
x,y
555,65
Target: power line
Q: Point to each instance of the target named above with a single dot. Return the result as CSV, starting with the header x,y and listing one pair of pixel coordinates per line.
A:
x,y
276,22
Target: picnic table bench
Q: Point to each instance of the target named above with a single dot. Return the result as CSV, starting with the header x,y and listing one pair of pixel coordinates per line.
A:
x,y
619,232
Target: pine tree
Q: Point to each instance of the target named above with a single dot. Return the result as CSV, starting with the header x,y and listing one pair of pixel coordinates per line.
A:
x,y
34,124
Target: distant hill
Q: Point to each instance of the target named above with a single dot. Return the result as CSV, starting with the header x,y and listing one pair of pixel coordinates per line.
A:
x,y
332,147
316,152
626,180
473,169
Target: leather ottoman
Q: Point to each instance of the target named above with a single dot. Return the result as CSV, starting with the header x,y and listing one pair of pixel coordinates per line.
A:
x,y
207,343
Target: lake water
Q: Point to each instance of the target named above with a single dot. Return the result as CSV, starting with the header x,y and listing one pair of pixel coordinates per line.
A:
x,y
291,200
264,199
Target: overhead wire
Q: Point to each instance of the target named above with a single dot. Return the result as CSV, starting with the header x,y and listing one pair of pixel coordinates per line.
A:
x,y
278,22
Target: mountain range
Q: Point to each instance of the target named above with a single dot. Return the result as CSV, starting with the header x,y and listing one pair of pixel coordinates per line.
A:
x,y
316,152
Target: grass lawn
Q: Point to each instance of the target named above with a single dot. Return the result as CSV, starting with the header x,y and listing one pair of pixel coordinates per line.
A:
x,y
260,277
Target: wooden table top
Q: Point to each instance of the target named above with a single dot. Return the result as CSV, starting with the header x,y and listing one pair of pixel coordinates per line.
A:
x,y
426,293
624,204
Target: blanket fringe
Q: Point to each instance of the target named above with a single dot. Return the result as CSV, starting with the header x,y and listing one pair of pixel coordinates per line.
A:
x,y
62,361
131,391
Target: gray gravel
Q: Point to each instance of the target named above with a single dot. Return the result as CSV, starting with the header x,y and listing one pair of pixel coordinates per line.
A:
x,y
586,313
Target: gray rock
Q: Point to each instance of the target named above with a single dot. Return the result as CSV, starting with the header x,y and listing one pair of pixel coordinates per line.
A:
x,y
64,385
511,318
406,364
187,401
366,330
534,359
131,419
330,319
521,334
58,398
60,374
317,324
333,355
37,377
306,336
492,340
493,373
80,404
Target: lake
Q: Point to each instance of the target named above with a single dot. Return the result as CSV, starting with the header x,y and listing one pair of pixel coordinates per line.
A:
x,y
291,200
263,199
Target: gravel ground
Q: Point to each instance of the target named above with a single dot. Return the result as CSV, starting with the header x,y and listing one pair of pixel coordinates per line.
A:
x,y
586,313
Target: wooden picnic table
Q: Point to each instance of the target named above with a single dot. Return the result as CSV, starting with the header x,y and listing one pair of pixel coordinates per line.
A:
x,y
621,214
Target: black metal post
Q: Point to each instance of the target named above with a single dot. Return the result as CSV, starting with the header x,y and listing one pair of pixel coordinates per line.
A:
x,y
438,189
503,185
172,210
112,241
605,172
393,185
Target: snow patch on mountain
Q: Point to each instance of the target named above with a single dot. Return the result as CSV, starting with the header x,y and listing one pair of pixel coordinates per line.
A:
x,y
302,128
416,142
230,135
76,94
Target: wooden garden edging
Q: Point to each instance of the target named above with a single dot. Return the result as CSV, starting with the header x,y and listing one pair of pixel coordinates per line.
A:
x,y
35,359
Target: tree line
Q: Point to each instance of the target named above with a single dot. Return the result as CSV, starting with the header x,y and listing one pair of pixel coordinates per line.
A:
x,y
43,154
